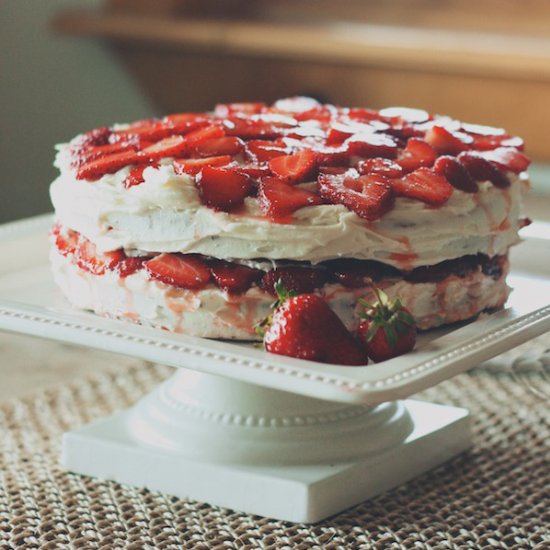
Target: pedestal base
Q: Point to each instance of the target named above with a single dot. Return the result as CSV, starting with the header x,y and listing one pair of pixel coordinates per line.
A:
x,y
127,448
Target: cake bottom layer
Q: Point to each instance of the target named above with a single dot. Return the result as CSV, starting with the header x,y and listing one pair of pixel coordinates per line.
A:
x,y
214,313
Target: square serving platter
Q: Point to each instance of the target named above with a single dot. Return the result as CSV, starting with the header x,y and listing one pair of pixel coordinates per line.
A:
x,y
30,303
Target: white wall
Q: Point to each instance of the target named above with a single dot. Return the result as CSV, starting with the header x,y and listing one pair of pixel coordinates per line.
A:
x,y
51,88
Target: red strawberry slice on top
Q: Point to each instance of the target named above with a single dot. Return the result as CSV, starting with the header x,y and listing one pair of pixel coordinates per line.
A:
x,y
455,173
372,145
507,158
223,187
172,146
481,169
278,199
369,196
108,164
194,166
226,145
424,185
294,168
446,141
184,271
261,150
381,166
416,154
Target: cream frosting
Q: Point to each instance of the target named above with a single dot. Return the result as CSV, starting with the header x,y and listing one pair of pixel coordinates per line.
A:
x,y
164,214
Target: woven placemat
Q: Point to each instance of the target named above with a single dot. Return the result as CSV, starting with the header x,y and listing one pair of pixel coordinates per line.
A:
x,y
494,496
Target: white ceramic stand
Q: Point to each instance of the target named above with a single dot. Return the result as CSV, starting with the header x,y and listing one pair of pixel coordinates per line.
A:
x,y
265,451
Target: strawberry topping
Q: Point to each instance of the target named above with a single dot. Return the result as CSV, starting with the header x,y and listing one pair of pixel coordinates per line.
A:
x,y
369,196
244,146
424,185
234,278
481,169
223,188
455,173
294,168
178,270
416,154
194,166
278,199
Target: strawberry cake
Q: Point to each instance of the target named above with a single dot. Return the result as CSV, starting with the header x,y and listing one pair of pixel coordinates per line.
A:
x,y
188,221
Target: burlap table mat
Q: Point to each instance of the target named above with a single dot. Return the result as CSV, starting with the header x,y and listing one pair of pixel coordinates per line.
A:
x,y
495,496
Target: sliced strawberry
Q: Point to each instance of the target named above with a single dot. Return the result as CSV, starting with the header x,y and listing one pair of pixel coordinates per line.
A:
x,y
97,137
108,164
251,129
369,196
507,158
259,150
340,131
416,154
172,146
65,241
295,278
294,168
183,123
148,131
194,166
135,177
332,156
224,110
278,199
226,145
197,137
487,137
223,188
87,154
319,113
455,174
381,166
446,141
486,143
129,265
423,185
372,145
362,113
481,169
89,259
234,278
254,170
185,271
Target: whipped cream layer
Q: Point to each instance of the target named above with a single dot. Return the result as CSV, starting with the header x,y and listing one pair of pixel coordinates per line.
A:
x,y
164,214
213,313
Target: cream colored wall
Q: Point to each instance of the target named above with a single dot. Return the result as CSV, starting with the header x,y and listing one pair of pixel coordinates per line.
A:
x,y
51,88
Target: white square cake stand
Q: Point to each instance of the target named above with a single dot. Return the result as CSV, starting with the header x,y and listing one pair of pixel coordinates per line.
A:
x,y
264,434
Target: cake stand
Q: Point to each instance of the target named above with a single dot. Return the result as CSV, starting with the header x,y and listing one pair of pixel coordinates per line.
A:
x,y
264,434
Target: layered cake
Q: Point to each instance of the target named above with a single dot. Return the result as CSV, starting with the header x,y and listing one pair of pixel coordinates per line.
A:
x,y
187,222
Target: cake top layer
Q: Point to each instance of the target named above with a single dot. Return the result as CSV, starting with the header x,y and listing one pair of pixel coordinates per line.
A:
x,y
299,153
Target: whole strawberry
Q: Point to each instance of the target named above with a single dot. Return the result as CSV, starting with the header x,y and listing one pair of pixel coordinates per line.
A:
x,y
387,329
305,327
